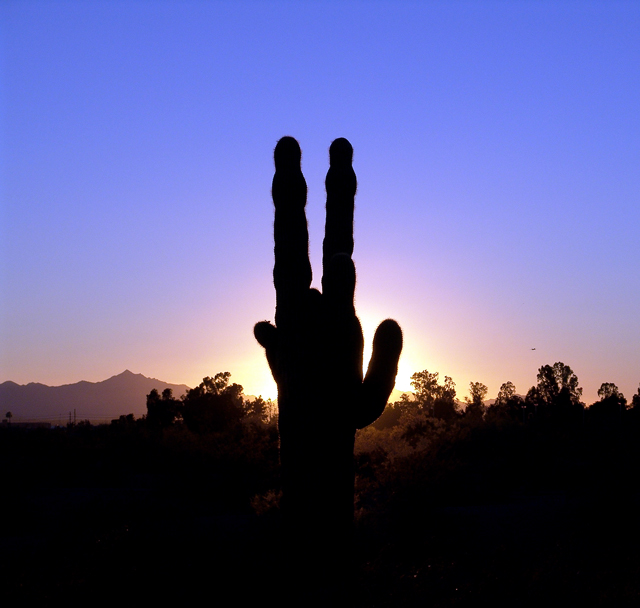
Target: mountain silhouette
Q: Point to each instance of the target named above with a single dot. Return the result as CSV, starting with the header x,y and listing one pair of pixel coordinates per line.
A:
x,y
122,394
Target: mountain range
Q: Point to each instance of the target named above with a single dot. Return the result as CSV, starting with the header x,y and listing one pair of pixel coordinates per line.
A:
x,y
125,393
96,401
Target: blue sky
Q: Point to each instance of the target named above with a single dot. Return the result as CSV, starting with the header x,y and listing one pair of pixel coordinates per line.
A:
x,y
496,148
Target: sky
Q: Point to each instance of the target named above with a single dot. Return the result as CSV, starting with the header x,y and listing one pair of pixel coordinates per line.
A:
x,y
496,145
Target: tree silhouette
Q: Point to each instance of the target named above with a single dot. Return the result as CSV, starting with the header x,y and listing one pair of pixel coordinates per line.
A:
x,y
633,413
507,405
213,405
315,352
437,400
557,394
475,404
611,406
162,411
635,401
258,409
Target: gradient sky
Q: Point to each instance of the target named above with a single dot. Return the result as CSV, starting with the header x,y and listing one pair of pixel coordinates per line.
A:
x,y
497,149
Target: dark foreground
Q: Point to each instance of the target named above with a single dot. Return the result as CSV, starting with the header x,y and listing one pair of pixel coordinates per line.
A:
x,y
464,514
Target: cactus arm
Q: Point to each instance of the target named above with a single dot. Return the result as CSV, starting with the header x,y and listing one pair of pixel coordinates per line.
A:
x,y
381,373
267,336
341,185
292,269
344,345
338,284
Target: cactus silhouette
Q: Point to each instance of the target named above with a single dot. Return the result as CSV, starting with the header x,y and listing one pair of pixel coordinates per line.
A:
x,y
315,352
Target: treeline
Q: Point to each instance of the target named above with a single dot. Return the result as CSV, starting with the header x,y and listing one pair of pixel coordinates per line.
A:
x,y
213,406
426,449
555,399
119,502
438,446
524,501
141,510
212,441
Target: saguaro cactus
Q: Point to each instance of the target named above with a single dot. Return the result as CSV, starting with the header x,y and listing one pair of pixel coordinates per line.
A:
x,y
315,353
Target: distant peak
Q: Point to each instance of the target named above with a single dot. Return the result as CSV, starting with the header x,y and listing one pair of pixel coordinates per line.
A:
x,y
128,372
125,375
